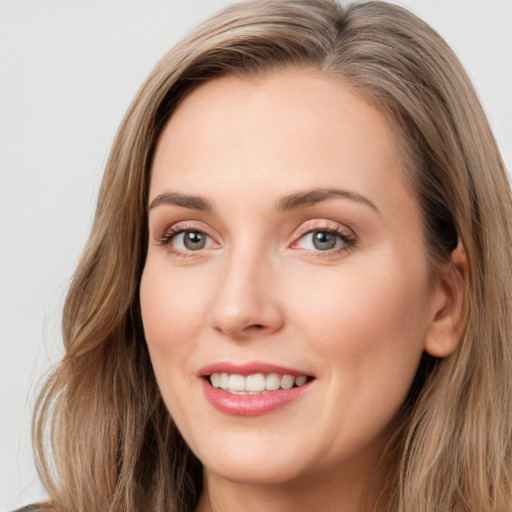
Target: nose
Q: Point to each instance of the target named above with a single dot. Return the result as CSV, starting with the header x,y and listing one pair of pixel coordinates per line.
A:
x,y
246,302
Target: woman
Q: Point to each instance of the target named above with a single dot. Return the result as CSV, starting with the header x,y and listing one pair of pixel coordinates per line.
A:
x,y
295,291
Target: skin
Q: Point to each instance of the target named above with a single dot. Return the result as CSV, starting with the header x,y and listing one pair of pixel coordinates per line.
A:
x,y
357,318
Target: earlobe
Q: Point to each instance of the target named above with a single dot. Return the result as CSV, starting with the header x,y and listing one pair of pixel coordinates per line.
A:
x,y
449,301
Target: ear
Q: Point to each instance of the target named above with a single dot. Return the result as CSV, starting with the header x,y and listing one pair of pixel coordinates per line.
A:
x,y
449,306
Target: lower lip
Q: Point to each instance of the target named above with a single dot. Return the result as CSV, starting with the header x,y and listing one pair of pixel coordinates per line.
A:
x,y
250,405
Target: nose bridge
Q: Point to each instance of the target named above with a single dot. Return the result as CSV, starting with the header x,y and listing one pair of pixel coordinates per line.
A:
x,y
246,297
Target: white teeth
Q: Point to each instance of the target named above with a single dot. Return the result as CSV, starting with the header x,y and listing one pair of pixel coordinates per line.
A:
x,y
256,383
224,381
300,381
236,382
287,381
273,382
215,380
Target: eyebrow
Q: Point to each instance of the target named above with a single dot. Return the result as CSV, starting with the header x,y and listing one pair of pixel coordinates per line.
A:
x,y
311,197
183,200
286,203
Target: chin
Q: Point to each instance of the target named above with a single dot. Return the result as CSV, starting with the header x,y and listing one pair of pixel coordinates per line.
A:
x,y
248,473
263,463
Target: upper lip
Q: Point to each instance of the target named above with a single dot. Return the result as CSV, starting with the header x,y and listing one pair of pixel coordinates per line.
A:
x,y
249,368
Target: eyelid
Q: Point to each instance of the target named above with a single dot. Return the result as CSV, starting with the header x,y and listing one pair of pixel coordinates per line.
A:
x,y
180,226
323,225
165,237
346,234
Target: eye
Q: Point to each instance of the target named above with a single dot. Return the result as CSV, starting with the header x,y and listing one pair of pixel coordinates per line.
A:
x,y
321,240
190,240
181,240
324,239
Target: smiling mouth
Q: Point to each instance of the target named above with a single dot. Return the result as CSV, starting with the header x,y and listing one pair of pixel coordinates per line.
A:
x,y
255,384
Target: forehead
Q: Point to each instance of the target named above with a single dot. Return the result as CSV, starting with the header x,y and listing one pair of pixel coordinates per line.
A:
x,y
288,129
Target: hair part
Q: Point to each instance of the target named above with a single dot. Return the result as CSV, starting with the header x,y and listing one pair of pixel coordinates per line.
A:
x,y
113,444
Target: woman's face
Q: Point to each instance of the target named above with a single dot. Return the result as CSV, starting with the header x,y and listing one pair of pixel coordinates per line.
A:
x,y
283,242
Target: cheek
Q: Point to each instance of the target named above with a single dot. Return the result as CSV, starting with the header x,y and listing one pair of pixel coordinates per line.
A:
x,y
368,335
371,320
172,312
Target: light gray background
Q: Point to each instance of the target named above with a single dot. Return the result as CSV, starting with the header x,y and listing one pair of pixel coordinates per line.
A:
x,y
68,70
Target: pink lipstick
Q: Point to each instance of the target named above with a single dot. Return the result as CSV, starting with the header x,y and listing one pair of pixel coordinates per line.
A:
x,y
252,389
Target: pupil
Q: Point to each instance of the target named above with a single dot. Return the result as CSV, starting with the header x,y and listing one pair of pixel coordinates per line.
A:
x,y
194,240
324,240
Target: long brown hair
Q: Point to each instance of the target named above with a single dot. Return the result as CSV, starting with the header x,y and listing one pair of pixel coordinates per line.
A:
x,y
103,438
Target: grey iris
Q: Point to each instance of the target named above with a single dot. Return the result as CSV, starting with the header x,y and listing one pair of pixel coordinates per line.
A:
x,y
323,240
194,240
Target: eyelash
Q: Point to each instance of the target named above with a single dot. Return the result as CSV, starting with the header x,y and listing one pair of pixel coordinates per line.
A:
x,y
172,232
347,237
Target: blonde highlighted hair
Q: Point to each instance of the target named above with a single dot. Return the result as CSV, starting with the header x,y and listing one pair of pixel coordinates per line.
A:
x,y
104,440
